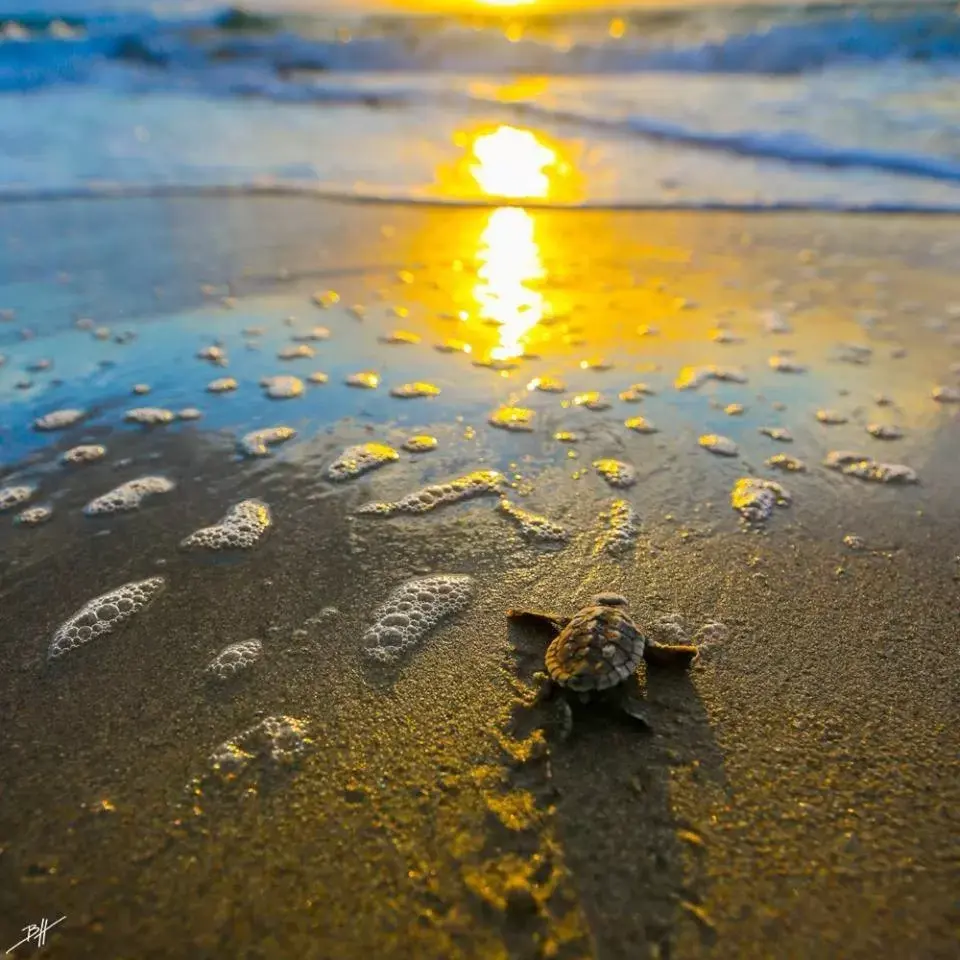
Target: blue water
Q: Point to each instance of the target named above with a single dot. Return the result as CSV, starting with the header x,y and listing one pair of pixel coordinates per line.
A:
x,y
820,106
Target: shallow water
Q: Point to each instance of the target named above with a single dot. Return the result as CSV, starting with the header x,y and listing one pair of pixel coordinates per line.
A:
x,y
317,779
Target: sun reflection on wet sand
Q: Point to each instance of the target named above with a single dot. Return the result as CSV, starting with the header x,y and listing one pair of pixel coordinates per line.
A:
x,y
510,262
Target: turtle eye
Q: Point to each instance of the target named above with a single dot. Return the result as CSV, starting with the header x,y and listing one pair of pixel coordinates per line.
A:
x,y
610,600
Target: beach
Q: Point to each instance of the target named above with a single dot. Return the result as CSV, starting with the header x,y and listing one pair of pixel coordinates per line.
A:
x,y
796,794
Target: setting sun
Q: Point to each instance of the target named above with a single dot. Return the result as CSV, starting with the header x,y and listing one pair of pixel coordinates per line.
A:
x,y
513,163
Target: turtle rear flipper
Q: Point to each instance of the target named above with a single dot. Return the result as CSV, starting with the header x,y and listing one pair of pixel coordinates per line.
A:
x,y
539,618
678,656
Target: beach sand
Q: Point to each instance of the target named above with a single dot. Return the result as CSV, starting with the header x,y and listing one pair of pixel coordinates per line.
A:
x,y
797,795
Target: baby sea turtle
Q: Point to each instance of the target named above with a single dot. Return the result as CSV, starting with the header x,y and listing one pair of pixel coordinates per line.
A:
x,y
593,654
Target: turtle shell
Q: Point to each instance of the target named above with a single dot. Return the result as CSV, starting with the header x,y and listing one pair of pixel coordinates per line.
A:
x,y
598,649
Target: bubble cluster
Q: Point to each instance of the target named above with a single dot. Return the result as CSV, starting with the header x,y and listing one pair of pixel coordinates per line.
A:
x,y
315,334
754,499
621,528
784,364
85,453
407,391
533,526
274,742
616,472
512,418
640,425
884,431
781,434
234,658
318,378
34,516
13,496
866,468
212,354
723,446
566,436
477,484
150,416
189,413
59,419
401,337
243,527
255,443
690,378
636,392
104,614
128,496
831,417
783,461
592,400
355,461
421,443
282,387
412,611
299,352
365,380
222,385
453,346
547,385
946,394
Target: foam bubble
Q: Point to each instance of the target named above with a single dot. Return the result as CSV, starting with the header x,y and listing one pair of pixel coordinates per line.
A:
x,y
233,659
141,389
640,425
407,391
518,419
946,394
596,363
636,392
299,352
497,363
318,378
783,461
566,436
255,443
781,434
128,496
421,443
866,468
189,413
453,346
315,334
242,528
734,409
532,525
592,400
723,446
34,516
282,387
884,431
477,484
213,354
274,742
365,380
621,528
355,461
547,385
401,337
222,385
754,499
85,453
59,419
692,377
852,542
784,364
774,322
615,472
150,416
104,614
831,417
412,611
723,336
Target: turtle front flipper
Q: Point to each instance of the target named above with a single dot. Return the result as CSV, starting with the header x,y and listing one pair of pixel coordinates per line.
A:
x,y
678,656
539,618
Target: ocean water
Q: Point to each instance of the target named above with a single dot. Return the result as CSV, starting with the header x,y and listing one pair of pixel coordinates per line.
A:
x,y
820,105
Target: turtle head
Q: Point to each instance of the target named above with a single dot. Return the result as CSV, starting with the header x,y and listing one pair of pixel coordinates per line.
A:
x,y
610,600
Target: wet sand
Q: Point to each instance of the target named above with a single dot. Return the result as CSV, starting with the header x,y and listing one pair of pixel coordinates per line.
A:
x,y
797,795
